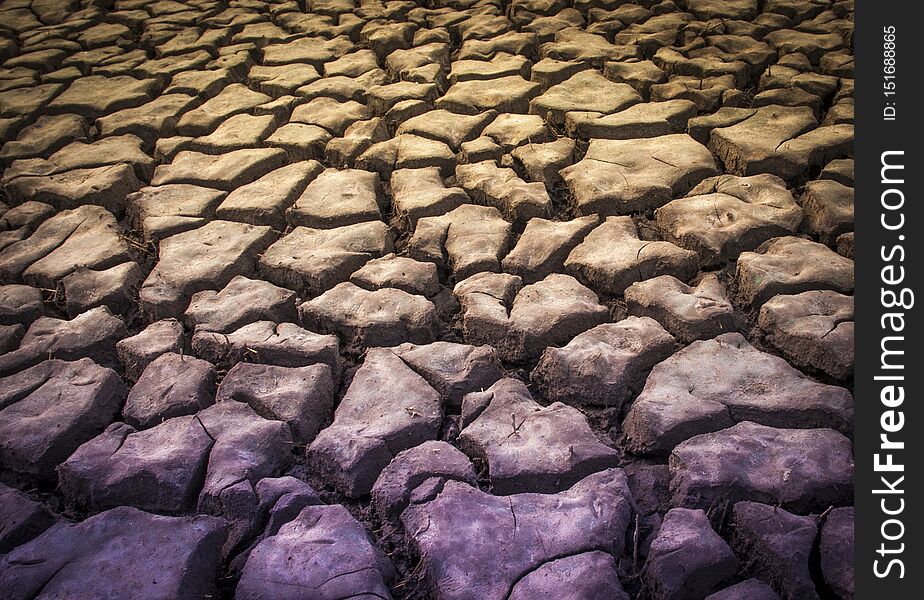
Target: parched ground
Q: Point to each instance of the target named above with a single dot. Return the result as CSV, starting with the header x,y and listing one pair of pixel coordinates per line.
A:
x,y
456,299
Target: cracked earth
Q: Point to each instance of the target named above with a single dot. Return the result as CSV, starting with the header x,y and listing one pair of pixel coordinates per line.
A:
x,y
455,299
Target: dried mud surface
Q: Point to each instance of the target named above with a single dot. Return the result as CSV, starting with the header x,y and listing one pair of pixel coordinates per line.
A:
x,y
455,299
